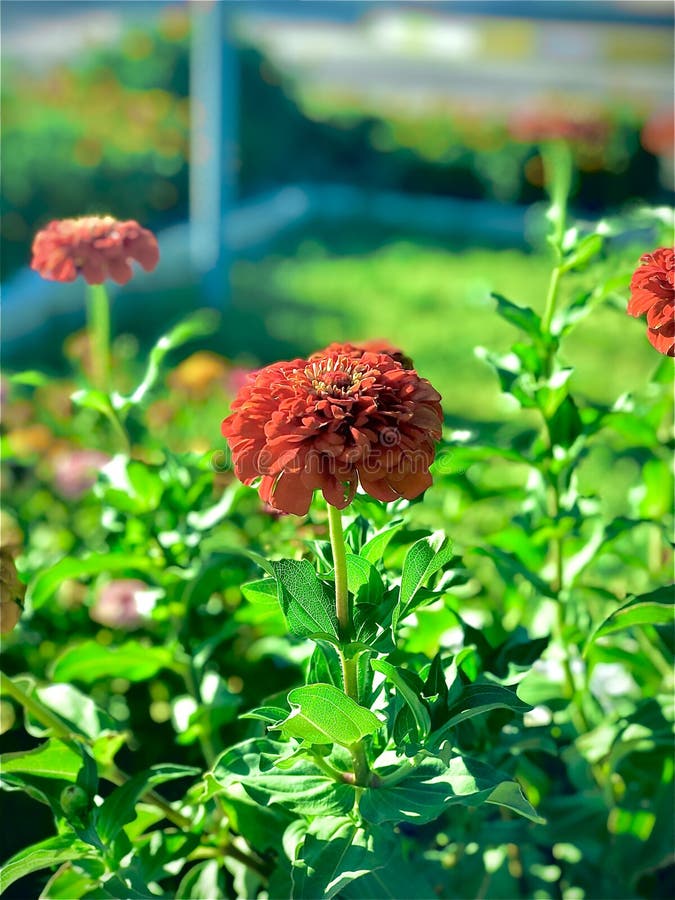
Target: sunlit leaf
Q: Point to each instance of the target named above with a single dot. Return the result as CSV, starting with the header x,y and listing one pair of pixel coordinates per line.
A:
x,y
323,714
50,852
89,661
307,603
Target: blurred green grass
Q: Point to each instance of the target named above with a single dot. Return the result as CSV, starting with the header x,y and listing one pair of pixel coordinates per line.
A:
x,y
435,303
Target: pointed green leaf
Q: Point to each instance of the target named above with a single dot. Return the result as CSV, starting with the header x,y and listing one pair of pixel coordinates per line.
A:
x,y
323,714
302,789
431,787
307,603
655,608
426,557
335,852
53,759
407,686
119,808
373,550
52,852
521,316
89,661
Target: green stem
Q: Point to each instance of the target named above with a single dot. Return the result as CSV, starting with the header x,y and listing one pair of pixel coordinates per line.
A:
x,y
329,770
557,161
551,300
349,665
120,431
337,542
98,320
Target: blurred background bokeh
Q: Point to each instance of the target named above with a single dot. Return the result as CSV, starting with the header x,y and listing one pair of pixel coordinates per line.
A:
x,y
325,171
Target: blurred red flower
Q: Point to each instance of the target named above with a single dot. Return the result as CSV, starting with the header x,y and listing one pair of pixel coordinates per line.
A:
x,y
547,124
652,291
95,247
343,417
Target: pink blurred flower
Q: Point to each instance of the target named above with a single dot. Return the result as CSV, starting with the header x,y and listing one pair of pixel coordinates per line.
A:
x,y
75,472
238,377
117,604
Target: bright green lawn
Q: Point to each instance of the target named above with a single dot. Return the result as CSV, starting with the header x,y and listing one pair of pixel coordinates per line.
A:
x,y
434,303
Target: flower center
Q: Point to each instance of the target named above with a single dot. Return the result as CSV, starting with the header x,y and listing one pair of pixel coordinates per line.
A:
x,y
339,378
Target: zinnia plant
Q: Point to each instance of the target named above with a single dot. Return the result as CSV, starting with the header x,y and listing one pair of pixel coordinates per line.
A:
x,y
99,248
354,705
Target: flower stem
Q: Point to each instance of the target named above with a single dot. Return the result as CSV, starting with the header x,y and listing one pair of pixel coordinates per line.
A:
x,y
349,664
557,161
337,542
98,320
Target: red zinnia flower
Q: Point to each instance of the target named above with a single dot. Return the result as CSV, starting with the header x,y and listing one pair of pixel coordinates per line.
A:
x,y
342,417
95,247
652,291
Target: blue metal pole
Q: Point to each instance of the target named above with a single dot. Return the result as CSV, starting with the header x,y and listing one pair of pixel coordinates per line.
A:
x,y
213,145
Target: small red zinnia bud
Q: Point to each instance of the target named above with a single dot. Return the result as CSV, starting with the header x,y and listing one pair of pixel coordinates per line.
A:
x,y
652,291
95,247
342,417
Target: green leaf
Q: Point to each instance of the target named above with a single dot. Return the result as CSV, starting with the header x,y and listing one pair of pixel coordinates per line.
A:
x,y
270,714
93,399
301,788
431,787
508,565
585,249
565,424
30,377
426,557
476,700
69,883
521,316
200,323
53,759
655,608
45,584
89,661
52,852
130,486
307,603
322,714
203,880
77,710
335,852
119,808
263,592
406,684
373,550
363,580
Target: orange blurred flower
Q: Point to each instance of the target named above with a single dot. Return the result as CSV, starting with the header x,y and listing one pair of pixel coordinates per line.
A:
x,y
332,422
95,247
198,372
652,290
